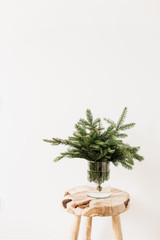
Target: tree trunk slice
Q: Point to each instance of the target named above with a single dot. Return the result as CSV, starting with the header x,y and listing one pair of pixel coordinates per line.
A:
x,y
87,229
116,224
77,202
75,228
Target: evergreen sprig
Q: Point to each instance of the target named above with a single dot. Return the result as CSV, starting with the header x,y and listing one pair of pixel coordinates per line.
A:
x,y
93,142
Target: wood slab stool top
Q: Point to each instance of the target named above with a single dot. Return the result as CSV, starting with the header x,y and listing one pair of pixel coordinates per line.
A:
x,y
77,202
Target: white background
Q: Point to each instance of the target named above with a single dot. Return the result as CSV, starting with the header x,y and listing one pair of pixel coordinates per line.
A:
x,y
58,58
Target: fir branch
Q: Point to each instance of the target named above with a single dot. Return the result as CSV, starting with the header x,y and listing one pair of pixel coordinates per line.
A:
x,y
80,129
97,120
121,119
111,122
89,116
138,157
121,135
126,126
115,163
58,158
56,141
83,122
126,165
92,142
105,135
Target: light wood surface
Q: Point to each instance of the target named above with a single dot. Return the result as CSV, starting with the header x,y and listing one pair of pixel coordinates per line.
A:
x,y
87,228
77,202
75,228
116,224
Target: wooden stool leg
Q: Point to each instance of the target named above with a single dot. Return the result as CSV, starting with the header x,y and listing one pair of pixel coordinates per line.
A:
x,y
87,229
75,228
116,223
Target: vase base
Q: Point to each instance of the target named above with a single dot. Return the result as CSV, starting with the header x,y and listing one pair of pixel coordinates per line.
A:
x,y
98,194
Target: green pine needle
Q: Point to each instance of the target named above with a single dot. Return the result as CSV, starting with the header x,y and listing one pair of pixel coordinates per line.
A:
x,y
121,135
126,126
92,142
58,158
121,119
89,116
111,122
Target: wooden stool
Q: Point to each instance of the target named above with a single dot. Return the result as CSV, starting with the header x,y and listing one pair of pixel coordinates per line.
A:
x,y
77,202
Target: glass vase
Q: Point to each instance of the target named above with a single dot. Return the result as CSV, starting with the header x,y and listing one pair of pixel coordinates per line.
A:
x,y
98,179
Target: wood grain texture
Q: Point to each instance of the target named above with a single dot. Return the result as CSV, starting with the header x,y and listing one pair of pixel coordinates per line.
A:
x,y
75,228
77,202
87,228
116,224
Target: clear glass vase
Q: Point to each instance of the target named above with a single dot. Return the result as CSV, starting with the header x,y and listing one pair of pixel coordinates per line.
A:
x,y
98,179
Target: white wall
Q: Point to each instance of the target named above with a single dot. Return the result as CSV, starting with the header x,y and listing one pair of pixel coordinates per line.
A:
x,y
58,58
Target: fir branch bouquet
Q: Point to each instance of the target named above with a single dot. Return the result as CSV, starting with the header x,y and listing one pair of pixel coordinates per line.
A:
x,y
93,142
